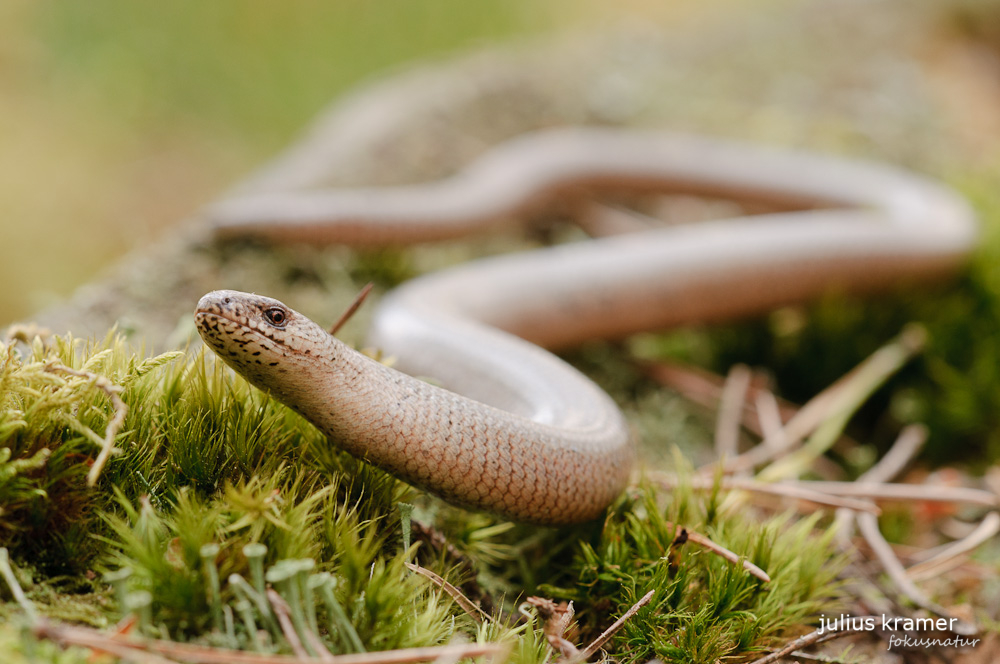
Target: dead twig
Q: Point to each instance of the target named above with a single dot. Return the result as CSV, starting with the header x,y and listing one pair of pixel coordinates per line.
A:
x,y
720,550
558,618
91,638
108,646
798,655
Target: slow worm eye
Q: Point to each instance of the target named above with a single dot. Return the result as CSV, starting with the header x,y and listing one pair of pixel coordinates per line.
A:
x,y
276,316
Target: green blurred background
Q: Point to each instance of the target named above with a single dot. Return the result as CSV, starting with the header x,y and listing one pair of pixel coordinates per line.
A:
x,y
119,118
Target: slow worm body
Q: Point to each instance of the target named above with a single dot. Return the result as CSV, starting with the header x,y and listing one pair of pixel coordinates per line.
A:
x,y
519,432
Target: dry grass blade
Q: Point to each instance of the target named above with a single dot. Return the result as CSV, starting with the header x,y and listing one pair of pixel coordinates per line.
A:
x,y
467,604
7,572
953,554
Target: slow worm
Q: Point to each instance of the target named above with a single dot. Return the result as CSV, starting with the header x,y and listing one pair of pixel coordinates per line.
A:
x,y
519,432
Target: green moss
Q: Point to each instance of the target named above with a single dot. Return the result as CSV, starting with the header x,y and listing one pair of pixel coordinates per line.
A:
x,y
209,466
703,608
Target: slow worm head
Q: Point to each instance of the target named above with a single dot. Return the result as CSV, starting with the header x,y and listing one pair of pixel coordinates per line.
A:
x,y
461,449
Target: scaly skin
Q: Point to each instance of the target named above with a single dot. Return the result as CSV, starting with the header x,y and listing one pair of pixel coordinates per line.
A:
x,y
462,450
531,438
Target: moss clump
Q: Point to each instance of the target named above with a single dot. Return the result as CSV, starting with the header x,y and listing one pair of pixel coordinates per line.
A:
x,y
48,425
218,490
703,609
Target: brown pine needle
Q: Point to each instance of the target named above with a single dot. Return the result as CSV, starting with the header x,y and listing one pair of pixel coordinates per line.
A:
x,y
854,391
725,553
727,424
801,490
467,604
771,426
597,643
350,311
808,640
868,527
909,441
705,388
281,611
928,493
954,553
7,573
127,653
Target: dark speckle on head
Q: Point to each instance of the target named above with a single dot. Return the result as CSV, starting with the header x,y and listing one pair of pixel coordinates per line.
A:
x,y
263,340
